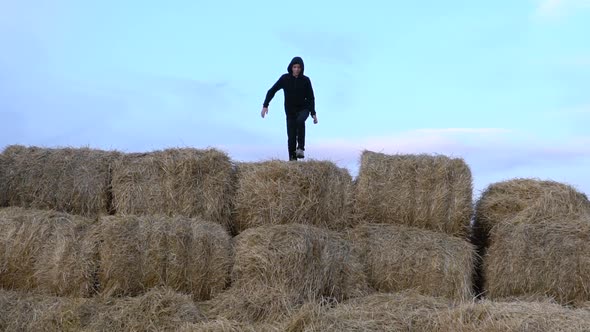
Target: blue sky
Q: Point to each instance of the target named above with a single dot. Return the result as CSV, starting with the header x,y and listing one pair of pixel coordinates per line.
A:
x,y
503,84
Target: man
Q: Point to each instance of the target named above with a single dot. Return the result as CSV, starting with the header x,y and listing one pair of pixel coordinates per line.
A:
x,y
299,104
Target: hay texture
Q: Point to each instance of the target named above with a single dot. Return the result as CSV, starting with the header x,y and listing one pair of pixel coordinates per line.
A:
x,y
488,316
275,192
21,311
141,252
430,192
73,180
551,258
52,252
405,311
4,165
280,267
175,182
160,309
502,201
157,310
225,325
521,201
398,258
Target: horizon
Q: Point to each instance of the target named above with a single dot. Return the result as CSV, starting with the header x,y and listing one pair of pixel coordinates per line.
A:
x,y
502,85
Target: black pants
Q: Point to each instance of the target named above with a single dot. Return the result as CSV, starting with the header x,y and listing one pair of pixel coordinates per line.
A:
x,y
296,130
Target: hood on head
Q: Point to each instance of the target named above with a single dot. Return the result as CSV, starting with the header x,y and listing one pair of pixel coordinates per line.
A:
x,y
295,60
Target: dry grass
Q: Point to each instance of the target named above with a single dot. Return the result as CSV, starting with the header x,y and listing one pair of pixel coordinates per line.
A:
x,y
518,316
430,192
141,252
68,261
406,311
277,192
175,182
46,250
257,303
73,180
4,168
409,311
26,312
549,258
397,258
225,325
503,200
280,267
158,310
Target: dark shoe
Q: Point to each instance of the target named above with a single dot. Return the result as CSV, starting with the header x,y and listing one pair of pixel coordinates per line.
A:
x,y
292,158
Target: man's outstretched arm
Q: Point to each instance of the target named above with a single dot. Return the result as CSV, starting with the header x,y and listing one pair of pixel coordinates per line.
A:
x,y
270,94
272,91
311,102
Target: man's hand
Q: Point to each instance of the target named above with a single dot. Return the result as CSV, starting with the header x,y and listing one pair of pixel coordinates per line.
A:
x,y
315,119
264,111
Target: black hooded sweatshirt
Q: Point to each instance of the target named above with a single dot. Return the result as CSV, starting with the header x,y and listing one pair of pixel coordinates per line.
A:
x,y
298,90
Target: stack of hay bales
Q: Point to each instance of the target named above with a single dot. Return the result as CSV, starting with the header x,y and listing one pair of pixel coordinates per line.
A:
x,y
142,252
175,182
502,201
70,180
542,248
275,192
49,251
413,214
278,268
287,251
66,255
158,310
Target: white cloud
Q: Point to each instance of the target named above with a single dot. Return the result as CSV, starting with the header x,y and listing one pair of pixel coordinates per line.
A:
x,y
559,8
493,154
489,148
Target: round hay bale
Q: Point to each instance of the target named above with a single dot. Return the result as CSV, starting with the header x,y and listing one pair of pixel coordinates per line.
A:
x,y
73,180
256,303
550,257
175,182
430,192
503,200
48,251
276,192
141,252
160,309
277,268
27,312
397,258
405,311
305,258
68,262
488,316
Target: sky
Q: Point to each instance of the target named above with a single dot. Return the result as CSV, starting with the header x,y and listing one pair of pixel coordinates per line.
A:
x,y
502,84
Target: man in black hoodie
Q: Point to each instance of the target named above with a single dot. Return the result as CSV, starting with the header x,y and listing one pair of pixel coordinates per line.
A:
x,y
299,104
